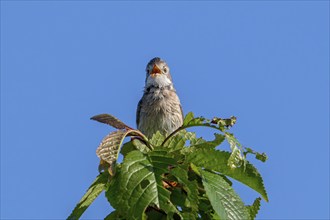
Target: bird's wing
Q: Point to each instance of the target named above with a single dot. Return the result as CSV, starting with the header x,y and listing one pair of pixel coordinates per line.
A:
x,y
138,110
181,112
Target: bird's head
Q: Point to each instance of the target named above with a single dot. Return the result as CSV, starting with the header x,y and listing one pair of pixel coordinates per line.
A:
x,y
158,73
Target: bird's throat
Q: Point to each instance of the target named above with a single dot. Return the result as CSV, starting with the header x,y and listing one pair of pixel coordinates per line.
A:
x,y
160,81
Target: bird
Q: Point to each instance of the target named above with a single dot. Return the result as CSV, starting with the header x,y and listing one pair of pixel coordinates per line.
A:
x,y
159,108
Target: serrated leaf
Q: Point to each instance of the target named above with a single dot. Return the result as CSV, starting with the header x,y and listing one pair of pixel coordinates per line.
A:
x,y
232,140
110,120
201,143
139,184
227,122
218,123
259,156
235,159
218,160
157,139
178,141
135,144
190,121
199,121
254,208
194,140
262,157
226,203
230,183
109,148
92,193
188,118
140,145
219,138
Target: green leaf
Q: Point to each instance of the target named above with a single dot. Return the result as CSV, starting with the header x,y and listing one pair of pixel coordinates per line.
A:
x,y
177,142
140,145
155,214
262,157
92,193
254,208
188,118
127,147
229,122
218,123
199,121
218,160
139,184
135,144
190,121
226,203
179,199
115,215
215,216
259,156
190,189
230,183
188,216
194,140
219,138
194,168
161,178
235,159
232,140
157,139
205,208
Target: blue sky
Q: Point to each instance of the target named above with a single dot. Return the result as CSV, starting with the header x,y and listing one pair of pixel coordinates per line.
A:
x,y
266,62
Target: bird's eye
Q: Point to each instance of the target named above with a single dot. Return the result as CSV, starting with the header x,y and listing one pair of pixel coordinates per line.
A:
x,y
165,69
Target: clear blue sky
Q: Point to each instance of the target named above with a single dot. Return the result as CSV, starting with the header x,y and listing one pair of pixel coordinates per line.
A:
x,y
265,62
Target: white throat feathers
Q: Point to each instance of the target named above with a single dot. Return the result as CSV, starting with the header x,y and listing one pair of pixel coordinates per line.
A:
x,y
159,81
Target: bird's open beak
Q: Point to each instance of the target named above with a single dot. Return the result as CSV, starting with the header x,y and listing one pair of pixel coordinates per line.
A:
x,y
155,70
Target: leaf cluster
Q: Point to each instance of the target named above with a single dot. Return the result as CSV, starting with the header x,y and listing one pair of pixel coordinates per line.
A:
x,y
175,177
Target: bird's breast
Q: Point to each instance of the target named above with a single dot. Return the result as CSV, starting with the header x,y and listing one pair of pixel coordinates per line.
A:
x,y
160,111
